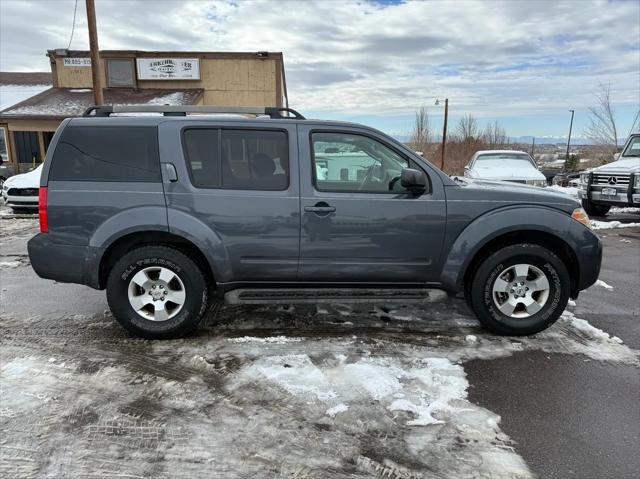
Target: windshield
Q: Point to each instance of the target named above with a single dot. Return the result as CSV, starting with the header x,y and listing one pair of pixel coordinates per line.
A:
x,y
493,158
633,148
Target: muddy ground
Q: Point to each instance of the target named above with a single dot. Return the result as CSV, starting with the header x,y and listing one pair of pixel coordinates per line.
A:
x,y
306,392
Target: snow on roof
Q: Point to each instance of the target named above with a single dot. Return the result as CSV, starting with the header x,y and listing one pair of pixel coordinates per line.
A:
x,y
68,102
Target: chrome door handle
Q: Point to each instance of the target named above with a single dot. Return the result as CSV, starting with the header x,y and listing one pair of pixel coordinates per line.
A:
x,y
320,207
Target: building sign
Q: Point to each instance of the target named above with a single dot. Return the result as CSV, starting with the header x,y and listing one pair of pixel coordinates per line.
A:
x,y
168,69
77,62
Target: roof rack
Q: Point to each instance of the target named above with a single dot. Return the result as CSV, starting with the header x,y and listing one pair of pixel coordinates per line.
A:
x,y
177,110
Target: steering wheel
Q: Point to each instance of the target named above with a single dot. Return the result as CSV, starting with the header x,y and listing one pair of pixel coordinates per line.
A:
x,y
366,178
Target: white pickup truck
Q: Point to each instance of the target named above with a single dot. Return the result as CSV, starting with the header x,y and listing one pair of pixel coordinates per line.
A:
x,y
613,184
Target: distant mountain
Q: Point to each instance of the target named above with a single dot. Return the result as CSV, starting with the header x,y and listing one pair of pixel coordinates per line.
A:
x,y
540,140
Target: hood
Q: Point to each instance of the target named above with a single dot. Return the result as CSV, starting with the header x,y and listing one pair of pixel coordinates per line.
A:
x,y
25,180
505,171
518,193
626,165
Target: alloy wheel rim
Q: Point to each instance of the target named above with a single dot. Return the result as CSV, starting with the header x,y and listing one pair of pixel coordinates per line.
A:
x,y
521,291
156,293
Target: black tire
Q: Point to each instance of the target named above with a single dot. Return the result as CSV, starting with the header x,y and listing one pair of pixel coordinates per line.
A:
x,y
594,209
494,265
195,287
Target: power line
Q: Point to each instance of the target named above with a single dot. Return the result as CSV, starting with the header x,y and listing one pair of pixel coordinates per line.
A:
x,y
73,27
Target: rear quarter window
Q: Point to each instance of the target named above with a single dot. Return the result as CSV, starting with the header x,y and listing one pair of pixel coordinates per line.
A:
x,y
110,154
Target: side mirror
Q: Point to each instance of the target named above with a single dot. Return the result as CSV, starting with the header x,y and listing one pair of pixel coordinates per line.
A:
x,y
413,180
467,168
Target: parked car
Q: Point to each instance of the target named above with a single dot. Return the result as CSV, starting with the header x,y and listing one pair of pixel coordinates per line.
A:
x,y
613,184
170,213
21,191
564,179
505,165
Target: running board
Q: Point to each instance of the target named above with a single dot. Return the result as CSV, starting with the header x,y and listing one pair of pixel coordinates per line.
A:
x,y
332,295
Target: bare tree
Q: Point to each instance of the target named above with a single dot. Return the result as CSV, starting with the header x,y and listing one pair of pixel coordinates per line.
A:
x,y
467,127
495,135
420,137
602,128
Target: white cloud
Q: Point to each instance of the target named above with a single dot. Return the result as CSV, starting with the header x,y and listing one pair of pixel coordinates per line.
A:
x,y
491,58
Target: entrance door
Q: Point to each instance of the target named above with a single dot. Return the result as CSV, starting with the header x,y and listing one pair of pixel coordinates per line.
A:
x,y
358,223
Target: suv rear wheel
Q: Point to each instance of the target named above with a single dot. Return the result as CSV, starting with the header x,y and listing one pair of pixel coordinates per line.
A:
x,y
594,209
157,292
521,289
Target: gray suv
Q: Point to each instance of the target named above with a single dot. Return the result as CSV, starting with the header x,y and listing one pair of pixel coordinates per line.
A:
x,y
172,211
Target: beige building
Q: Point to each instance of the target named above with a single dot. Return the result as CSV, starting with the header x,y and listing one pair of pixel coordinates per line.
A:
x,y
137,77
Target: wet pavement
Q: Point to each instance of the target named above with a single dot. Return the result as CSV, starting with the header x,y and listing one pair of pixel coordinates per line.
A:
x,y
305,392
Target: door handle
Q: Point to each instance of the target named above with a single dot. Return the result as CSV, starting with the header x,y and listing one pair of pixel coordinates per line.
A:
x,y
172,174
321,207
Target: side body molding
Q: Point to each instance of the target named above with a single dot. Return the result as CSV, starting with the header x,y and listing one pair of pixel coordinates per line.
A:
x,y
468,241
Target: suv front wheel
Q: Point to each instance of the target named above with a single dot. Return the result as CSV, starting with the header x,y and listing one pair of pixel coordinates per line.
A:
x,y
157,292
518,290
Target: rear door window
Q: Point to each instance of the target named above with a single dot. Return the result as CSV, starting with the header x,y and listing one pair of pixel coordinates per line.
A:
x,y
109,154
242,159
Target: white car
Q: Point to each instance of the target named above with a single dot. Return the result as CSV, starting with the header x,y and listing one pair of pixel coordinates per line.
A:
x,y
21,191
614,184
504,165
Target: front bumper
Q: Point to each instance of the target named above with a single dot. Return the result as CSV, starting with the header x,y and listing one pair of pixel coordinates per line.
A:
x,y
588,253
21,201
64,263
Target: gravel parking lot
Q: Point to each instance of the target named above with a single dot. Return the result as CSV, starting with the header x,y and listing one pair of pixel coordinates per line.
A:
x,y
306,392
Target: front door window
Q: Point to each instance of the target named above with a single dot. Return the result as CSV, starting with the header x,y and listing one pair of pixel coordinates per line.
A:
x,y
345,162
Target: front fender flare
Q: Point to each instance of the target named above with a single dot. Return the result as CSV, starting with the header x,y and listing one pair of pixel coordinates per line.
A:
x,y
497,223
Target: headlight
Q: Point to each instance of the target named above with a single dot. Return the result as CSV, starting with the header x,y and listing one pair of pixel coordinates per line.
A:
x,y
636,181
581,216
584,178
537,182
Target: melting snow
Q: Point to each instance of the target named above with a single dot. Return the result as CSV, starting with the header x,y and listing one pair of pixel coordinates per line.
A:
x,y
603,284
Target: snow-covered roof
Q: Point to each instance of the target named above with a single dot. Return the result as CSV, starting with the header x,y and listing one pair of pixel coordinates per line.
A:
x,y
56,103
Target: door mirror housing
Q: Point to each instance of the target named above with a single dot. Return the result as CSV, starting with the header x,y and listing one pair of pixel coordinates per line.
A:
x,y
413,180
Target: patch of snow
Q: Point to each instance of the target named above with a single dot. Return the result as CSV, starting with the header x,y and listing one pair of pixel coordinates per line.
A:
x,y
176,98
333,411
9,264
571,303
607,225
80,90
603,285
272,339
624,210
470,338
569,190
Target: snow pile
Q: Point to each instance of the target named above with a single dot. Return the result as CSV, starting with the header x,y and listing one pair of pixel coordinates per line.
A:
x,y
569,190
604,285
333,411
606,225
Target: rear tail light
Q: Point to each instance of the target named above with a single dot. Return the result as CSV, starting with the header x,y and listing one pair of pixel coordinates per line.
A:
x,y
42,209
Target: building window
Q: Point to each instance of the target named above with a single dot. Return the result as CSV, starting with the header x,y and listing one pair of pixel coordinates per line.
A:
x,y
27,147
120,73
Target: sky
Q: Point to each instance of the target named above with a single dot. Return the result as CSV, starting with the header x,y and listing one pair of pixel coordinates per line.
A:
x,y
524,63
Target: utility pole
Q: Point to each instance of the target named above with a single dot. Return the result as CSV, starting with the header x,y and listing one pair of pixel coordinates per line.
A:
x,y
566,158
444,132
533,145
96,66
